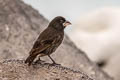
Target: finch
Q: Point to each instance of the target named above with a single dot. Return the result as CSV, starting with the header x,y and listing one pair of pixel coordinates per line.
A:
x,y
49,40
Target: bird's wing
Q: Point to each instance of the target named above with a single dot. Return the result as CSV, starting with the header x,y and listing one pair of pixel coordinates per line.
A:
x,y
41,45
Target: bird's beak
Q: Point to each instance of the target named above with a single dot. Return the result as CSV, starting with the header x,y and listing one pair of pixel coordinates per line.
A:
x,y
66,23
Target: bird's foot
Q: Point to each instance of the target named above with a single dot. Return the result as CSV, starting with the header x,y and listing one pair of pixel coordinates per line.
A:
x,y
39,61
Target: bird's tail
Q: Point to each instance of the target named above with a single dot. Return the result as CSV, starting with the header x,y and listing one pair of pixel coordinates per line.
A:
x,y
30,59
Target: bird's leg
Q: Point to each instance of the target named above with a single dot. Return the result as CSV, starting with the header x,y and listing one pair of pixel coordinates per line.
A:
x,y
53,60
39,60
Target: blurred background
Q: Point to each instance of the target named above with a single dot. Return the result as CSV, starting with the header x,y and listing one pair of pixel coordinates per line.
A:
x,y
95,27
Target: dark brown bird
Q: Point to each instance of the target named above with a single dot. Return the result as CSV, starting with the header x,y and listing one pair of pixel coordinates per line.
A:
x,y
49,40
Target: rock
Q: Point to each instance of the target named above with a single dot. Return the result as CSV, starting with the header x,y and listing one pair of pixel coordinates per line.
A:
x,y
17,70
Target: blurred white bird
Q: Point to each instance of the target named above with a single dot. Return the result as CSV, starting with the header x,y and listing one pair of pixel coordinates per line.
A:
x,y
98,34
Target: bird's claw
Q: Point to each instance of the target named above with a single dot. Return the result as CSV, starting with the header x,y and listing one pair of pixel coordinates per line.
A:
x,y
39,61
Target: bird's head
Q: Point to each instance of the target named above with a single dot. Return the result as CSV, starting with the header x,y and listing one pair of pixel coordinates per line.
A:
x,y
59,23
